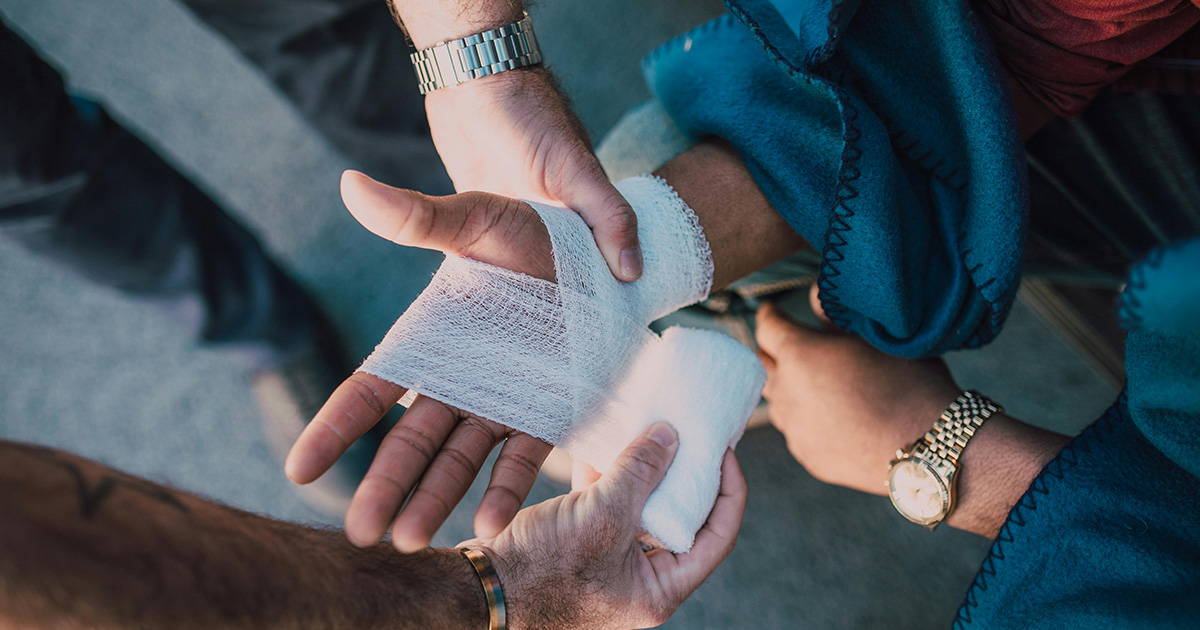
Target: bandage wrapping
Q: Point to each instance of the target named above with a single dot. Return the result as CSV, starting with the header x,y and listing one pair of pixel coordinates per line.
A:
x,y
574,362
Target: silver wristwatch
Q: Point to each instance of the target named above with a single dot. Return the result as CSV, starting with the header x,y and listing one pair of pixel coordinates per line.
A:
x,y
922,479
450,63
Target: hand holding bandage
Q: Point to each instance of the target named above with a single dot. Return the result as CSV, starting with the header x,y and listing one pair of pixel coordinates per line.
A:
x,y
573,362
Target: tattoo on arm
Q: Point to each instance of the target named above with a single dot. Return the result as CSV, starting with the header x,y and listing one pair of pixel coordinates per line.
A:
x,y
86,546
92,497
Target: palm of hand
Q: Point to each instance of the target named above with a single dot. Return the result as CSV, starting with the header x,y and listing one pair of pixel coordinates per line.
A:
x,y
434,453
576,561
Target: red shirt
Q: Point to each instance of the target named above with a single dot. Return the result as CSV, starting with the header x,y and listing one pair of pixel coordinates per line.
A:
x,y
1063,52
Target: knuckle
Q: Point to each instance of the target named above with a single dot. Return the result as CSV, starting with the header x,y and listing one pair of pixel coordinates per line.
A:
x,y
503,492
622,223
418,222
425,494
414,438
453,458
387,480
483,212
518,463
643,466
367,394
333,430
493,431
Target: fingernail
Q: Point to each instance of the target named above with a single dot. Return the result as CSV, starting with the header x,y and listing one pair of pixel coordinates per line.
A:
x,y
631,262
664,434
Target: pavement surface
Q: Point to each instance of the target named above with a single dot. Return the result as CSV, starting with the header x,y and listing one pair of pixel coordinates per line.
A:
x,y
89,370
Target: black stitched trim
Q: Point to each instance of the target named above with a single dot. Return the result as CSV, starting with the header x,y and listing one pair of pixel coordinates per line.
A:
x,y
939,167
672,44
1024,510
835,236
833,19
849,170
907,144
774,53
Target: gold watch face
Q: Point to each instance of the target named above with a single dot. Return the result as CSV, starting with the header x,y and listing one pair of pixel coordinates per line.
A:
x,y
917,492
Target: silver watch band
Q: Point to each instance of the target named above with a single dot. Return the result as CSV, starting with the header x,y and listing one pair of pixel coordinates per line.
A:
x,y
450,63
958,423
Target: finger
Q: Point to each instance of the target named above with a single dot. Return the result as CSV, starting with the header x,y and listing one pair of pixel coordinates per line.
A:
x,y
639,469
444,483
403,216
814,301
767,360
715,540
353,408
489,228
403,457
513,475
774,330
611,218
583,476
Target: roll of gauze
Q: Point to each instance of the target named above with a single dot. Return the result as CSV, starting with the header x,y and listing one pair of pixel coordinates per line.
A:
x,y
574,363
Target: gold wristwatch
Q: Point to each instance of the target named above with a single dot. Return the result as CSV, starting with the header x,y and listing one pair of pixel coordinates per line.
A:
x,y
922,478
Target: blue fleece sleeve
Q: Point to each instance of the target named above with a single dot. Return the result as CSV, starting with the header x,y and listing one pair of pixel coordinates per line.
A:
x,y
1108,535
883,134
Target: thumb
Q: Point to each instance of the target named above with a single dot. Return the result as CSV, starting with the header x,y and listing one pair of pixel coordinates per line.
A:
x,y
489,228
613,222
402,216
639,469
774,330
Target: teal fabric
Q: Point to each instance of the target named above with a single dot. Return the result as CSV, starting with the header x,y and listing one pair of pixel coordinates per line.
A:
x,y
1108,535
884,135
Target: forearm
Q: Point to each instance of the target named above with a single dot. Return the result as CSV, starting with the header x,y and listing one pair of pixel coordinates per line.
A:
x,y
428,22
743,229
84,546
998,465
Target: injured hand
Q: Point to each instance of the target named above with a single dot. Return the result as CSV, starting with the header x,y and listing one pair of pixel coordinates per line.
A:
x,y
574,363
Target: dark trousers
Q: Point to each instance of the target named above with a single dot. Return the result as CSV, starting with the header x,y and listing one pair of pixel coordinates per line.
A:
x,y
79,189
344,63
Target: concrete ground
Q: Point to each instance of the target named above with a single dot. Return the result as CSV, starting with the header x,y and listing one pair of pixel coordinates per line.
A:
x,y
88,370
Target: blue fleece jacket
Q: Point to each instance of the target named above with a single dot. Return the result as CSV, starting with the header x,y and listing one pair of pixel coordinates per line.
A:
x,y
1108,535
883,133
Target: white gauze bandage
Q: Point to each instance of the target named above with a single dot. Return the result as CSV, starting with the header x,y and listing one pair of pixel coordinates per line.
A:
x,y
574,363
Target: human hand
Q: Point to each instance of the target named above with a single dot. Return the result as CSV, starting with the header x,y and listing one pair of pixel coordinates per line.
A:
x,y
576,561
844,406
513,134
435,451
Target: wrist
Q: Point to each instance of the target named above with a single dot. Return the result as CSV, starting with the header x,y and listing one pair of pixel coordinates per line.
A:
x,y
714,182
433,588
523,83
996,468
428,23
510,569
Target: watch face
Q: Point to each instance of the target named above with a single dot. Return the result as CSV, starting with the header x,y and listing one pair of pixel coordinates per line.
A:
x,y
917,492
